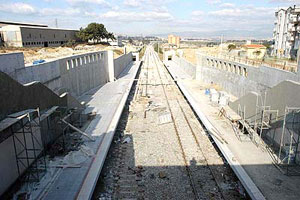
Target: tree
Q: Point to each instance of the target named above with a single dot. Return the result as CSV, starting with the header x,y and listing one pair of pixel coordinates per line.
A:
x,y
94,32
257,53
231,47
130,41
111,36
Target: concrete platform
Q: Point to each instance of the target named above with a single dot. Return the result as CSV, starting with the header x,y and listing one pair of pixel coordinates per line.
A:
x,y
108,103
253,165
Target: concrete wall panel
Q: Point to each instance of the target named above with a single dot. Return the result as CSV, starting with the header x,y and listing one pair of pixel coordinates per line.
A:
x,y
188,67
240,79
10,63
121,63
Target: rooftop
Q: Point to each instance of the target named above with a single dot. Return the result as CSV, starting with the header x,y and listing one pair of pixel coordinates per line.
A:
x,y
4,23
249,46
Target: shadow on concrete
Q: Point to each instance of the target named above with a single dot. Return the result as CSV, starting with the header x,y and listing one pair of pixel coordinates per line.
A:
x,y
126,70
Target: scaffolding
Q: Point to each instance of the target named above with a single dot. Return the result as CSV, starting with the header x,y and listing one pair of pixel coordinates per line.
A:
x,y
27,146
289,142
285,153
267,115
242,132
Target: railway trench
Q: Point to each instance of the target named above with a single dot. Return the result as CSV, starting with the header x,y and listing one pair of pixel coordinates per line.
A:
x,y
160,149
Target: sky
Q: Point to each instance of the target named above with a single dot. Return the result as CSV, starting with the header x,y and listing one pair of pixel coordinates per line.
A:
x,y
201,18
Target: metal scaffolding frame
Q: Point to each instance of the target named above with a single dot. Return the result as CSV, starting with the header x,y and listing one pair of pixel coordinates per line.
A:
x,y
285,156
290,127
266,115
27,147
241,132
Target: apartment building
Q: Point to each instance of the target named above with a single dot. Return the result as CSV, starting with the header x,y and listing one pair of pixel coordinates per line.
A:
x,y
286,33
174,40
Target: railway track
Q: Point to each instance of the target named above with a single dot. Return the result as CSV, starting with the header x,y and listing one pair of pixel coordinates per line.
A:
x,y
199,171
199,192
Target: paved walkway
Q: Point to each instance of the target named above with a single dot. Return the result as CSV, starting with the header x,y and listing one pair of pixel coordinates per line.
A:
x,y
107,102
243,156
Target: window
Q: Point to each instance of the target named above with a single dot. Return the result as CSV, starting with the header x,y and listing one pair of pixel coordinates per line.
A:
x,y
54,35
65,35
40,35
29,35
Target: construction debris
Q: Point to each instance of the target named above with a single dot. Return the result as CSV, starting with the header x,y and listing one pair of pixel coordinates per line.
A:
x,y
162,175
165,118
78,130
126,140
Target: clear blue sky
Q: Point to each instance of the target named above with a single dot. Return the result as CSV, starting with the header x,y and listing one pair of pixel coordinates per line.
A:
x,y
242,18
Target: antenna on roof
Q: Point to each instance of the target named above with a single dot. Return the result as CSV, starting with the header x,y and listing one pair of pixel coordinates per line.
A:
x,y
56,24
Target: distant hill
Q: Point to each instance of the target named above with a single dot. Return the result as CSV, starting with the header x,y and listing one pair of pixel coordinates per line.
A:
x,y
227,34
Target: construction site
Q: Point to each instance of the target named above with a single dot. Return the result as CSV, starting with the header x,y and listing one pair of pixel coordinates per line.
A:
x,y
99,126
151,119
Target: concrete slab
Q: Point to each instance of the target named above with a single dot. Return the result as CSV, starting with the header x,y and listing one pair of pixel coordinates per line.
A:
x,y
253,165
108,103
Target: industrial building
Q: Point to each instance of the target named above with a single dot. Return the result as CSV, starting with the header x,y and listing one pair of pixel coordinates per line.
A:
x,y
34,35
174,40
286,33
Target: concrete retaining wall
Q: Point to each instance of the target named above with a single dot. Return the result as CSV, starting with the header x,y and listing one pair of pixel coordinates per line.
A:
x,y
74,74
240,79
121,63
81,73
11,62
8,167
15,97
188,67
38,86
46,73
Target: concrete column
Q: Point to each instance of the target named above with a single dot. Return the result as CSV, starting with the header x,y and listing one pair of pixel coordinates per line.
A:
x,y
110,66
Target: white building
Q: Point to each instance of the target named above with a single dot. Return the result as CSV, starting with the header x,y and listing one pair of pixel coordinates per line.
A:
x,y
286,33
16,34
120,41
